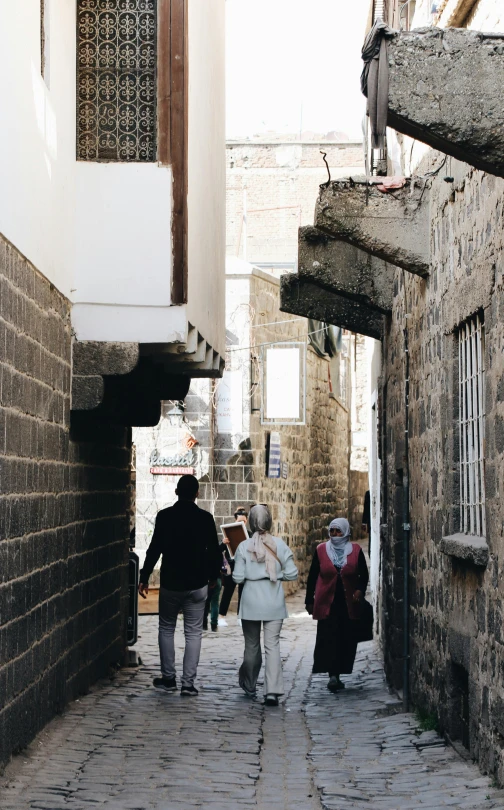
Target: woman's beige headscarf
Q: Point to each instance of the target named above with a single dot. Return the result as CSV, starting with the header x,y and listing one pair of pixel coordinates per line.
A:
x,y
260,523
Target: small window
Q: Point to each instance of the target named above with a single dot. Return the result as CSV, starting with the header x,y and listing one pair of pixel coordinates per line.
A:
x,y
471,339
116,80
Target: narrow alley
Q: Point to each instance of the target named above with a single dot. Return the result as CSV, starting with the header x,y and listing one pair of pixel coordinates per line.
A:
x,y
251,364
125,746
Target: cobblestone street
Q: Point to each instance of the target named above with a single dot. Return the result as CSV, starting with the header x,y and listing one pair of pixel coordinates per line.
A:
x,y
126,746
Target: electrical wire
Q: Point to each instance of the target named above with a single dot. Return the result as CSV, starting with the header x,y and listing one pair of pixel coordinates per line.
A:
x,y
274,323
298,339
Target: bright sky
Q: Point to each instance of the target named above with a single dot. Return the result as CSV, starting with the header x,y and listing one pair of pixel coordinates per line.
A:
x,y
294,64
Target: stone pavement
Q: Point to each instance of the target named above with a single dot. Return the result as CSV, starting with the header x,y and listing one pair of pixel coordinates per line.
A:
x,y
126,746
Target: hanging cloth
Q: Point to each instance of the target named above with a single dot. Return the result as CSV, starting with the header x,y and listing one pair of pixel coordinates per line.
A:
x,y
324,338
375,80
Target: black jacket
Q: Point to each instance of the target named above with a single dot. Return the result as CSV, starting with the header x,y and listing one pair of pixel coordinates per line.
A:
x,y
187,538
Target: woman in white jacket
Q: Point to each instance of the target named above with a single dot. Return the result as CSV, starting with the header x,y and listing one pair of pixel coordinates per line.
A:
x,y
261,563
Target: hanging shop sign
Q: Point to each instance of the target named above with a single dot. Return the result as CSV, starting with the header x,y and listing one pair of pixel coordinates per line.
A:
x,y
273,470
229,402
184,459
283,384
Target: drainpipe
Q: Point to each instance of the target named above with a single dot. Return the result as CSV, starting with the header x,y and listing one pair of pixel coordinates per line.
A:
x,y
406,512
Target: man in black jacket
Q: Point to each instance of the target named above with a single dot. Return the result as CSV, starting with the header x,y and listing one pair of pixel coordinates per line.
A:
x,y
187,538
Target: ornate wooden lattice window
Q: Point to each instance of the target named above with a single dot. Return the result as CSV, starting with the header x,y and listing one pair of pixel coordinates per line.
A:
x,y
116,80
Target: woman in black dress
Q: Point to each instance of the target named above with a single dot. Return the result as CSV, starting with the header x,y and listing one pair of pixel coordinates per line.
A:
x,y
335,591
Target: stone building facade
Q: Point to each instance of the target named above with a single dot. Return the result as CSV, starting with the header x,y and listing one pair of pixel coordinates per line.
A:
x,y
270,187
436,304
438,405
456,644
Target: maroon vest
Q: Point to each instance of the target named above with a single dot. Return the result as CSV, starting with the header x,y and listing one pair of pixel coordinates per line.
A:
x,y
327,579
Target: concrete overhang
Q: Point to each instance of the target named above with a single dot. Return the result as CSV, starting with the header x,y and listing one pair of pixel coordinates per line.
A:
x,y
299,296
124,383
393,226
445,89
343,269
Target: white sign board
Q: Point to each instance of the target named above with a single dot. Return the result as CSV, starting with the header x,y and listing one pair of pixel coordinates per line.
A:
x,y
229,403
282,383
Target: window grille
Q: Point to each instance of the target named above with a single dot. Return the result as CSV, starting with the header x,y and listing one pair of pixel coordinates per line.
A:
x,y
116,80
472,426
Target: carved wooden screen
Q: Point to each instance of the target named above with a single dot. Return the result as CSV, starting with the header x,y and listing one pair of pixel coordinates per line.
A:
x,y
116,80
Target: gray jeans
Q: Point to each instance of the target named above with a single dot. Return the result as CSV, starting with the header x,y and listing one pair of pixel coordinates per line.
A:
x,y
192,605
252,658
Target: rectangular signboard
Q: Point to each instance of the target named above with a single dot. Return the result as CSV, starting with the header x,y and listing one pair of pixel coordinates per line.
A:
x,y
283,384
274,456
172,470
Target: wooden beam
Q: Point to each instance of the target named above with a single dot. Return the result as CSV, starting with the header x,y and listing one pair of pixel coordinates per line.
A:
x,y
163,82
178,146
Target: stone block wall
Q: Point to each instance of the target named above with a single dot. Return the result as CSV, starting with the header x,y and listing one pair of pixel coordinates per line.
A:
x,y
63,526
457,642
317,454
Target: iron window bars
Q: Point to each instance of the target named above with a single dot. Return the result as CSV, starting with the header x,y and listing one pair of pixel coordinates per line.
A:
x,y
116,80
472,426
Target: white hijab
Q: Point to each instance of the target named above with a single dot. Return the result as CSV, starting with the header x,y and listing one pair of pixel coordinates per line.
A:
x,y
338,548
260,523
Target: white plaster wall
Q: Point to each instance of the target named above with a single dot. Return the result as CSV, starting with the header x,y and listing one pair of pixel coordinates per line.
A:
x,y
123,239
207,170
123,254
37,137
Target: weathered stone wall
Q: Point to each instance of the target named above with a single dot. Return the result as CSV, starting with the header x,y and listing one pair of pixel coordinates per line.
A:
x,y
456,614
63,524
317,454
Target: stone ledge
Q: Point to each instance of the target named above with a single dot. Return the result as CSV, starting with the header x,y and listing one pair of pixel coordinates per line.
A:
x,y
466,547
446,90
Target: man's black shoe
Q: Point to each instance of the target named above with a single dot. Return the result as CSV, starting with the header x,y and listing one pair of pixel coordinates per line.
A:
x,y
189,691
166,684
205,625
214,627
271,700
